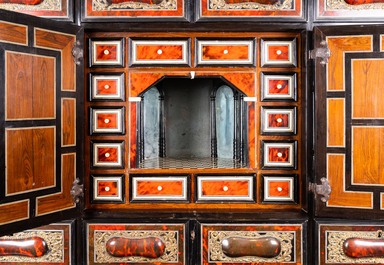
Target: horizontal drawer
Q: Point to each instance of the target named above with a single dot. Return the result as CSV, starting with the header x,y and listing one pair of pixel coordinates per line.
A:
x,y
251,244
136,243
164,188
279,188
107,188
107,120
107,154
164,52
106,52
349,243
225,188
278,87
278,53
107,86
279,154
278,121
224,52
50,244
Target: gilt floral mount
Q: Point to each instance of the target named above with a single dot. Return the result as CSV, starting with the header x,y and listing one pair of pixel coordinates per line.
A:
x,y
44,8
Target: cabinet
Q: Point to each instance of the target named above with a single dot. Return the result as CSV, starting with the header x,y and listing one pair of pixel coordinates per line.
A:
x,y
194,145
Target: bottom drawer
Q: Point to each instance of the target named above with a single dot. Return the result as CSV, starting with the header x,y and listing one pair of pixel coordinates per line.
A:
x,y
50,244
251,243
135,243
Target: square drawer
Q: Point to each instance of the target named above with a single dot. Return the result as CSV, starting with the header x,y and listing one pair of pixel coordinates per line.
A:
x,y
107,120
279,188
226,52
278,53
159,188
136,244
278,86
225,188
252,244
107,188
279,154
106,86
278,120
106,52
160,52
107,154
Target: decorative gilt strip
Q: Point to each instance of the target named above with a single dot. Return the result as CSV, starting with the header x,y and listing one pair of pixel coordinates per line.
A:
x,y
222,5
103,5
49,5
341,4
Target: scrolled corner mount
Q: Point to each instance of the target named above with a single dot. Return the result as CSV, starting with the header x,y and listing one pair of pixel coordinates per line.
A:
x,y
77,190
324,189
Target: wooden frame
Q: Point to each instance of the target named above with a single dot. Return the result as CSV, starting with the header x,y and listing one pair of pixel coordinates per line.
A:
x,y
110,197
116,78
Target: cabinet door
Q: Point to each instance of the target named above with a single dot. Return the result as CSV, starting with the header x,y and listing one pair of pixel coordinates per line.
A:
x,y
40,120
349,121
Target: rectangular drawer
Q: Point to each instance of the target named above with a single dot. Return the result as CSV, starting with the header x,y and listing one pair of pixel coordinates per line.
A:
x,y
107,120
106,86
136,243
106,52
278,53
225,52
164,188
107,188
279,154
52,244
278,86
278,188
159,52
251,244
350,243
278,120
225,188
108,154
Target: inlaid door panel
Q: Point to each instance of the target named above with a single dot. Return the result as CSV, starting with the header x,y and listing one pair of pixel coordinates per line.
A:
x,y
40,121
350,121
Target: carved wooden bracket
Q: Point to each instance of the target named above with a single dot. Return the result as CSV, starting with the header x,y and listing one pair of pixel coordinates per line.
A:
x,y
323,190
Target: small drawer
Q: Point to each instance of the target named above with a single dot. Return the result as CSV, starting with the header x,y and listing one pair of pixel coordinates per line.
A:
x,y
279,154
107,154
136,244
225,52
351,243
278,121
251,244
107,120
106,52
275,87
106,86
278,53
107,189
225,188
279,188
164,52
164,188
50,244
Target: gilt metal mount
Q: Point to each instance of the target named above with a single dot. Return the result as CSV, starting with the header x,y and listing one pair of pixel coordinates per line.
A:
x,y
77,190
323,190
77,53
323,52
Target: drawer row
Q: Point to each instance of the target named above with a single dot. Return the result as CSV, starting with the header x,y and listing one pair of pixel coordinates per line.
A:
x,y
276,188
177,52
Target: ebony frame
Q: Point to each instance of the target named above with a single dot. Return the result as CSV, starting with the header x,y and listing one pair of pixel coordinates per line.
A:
x,y
92,92
293,159
92,60
104,177
292,52
295,193
278,131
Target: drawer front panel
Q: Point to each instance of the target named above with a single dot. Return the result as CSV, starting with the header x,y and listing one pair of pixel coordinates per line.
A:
x,y
107,120
278,53
251,244
106,86
350,244
107,188
278,87
225,188
160,52
279,154
136,243
106,52
173,188
225,52
278,120
279,188
108,154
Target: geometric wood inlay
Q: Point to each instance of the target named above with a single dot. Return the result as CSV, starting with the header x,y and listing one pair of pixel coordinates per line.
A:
x,y
368,155
339,197
336,122
63,199
30,159
68,122
367,88
335,67
15,211
30,86
13,33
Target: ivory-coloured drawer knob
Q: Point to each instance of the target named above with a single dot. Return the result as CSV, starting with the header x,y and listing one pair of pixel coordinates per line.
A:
x,y
225,188
106,86
107,155
107,188
106,52
279,120
159,188
279,189
278,52
279,154
279,86
159,51
106,121
225,51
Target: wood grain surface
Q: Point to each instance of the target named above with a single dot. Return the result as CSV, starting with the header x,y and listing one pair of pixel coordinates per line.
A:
x,y
336,122
68,127
13,33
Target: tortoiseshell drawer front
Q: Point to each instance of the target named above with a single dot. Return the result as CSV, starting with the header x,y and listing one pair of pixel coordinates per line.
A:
x,y
107,188
106,52
251,244
107,120
278,120
279,154
225,52
50,244
136,243
225,188
160,188
278,53
279,188
106,86
350,243
162,52
278,86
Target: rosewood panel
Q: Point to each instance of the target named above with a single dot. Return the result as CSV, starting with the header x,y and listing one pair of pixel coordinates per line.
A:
x,y
15,211
13,33
68,122
336,122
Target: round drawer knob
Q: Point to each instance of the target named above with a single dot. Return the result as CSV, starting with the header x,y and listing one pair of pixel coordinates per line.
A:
x,y
278,52
279,86
279,189
279,154
107,188
159,51
279,120
107,155
225,51
225,188
106,121
106,86
159,187
106,52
